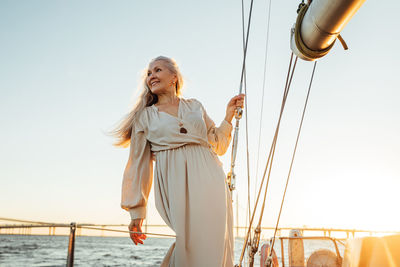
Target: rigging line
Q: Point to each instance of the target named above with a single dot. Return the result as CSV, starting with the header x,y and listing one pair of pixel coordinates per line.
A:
x,y
248,163
294,153
273,146
123,231
247,132
231,177
262,181
247,156
262,97
245,47
257,234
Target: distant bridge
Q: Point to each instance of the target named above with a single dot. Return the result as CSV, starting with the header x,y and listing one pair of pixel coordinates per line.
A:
x,y
25,228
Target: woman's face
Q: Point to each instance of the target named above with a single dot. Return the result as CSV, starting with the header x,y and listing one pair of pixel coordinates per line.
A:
x,y
160,79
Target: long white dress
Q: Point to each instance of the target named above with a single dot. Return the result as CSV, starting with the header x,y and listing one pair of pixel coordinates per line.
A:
x,y
191,193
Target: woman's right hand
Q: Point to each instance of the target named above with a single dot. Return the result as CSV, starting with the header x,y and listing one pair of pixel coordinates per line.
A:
x,y
136,226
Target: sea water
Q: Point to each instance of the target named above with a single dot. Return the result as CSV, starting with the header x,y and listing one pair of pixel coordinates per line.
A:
x,y
37,250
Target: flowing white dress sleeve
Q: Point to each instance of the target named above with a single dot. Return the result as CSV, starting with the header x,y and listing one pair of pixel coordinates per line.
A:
x,y
138,174
219,137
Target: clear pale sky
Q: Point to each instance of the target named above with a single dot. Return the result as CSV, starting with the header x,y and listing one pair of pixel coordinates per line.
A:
x,y
69,71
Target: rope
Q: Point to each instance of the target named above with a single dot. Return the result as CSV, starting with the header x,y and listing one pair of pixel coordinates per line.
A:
x,y
262,97
231,177
47,224
294,154
123,231
247,132
342,41
257,232
269,156
245,48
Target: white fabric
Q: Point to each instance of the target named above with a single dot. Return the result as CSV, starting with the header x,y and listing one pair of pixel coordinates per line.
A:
x,y
191,193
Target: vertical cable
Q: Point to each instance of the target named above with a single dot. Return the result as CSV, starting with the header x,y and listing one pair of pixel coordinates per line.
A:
x,y
294,154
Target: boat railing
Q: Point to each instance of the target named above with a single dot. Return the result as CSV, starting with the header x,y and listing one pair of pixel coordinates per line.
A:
x,y
75,227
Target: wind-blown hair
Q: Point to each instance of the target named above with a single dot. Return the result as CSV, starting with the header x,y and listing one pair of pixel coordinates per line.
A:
x,y
123,131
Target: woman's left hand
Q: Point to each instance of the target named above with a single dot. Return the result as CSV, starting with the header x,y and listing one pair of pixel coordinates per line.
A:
x,y
235,102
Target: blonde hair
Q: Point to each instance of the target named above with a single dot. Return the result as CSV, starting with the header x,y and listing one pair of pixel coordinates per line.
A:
x,y
123,131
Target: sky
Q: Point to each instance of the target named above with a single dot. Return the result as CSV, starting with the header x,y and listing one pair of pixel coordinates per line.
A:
x,y
69,71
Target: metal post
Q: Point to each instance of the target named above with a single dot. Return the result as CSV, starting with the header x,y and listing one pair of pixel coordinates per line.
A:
x,y
71,245
231,176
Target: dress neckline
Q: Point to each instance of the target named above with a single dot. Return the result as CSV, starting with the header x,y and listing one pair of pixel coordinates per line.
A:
x,y
173,116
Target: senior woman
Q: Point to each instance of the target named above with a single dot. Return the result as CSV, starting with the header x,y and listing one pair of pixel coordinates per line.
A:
x,y
191,193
